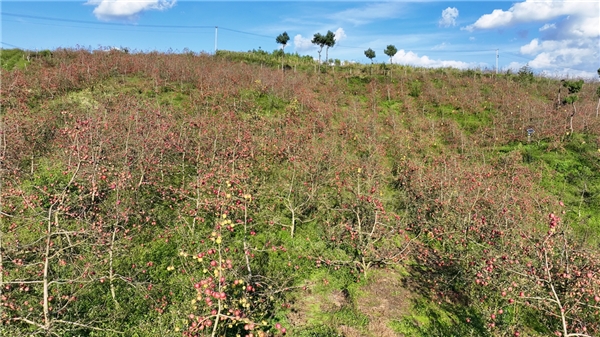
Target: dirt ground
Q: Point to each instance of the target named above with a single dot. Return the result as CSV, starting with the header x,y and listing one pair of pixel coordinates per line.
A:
x,y
382,299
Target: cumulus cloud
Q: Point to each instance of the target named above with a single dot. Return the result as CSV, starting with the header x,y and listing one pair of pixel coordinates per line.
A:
x,y
449,16
302,44
411,58
534,10
127,9
498,18
340,34
574,27
560,54
530,48
568,38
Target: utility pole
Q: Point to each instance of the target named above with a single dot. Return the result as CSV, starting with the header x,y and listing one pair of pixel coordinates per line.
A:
x,y
216,34
497,56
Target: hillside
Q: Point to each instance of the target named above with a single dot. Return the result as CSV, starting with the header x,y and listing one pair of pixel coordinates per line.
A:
x,y
152,194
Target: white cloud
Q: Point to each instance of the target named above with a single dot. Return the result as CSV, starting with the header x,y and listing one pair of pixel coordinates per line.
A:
x,y
535,10
567,45
552,54
340,34
559,73
570,73
498,18
547,26
449,16
577,27
124,9
530,48
302,44
565,54
515,66
411,58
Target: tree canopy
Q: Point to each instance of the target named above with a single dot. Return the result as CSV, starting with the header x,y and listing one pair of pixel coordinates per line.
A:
x,y
283,39
370,54
390,51
320,41
327,40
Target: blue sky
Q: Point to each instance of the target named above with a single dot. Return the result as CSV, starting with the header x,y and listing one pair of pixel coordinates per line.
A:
x,y
559,38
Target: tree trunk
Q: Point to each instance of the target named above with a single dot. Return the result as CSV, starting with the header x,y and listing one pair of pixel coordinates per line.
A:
x,y
111,273
571,118
45,282
246,247
282,56
320,59
220,301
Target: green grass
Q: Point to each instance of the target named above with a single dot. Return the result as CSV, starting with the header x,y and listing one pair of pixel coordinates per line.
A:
x,y
19,59
318,330
428,318
390,107
572,173
13,58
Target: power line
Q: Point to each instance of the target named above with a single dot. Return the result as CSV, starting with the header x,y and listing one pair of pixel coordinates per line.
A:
x,y
100,23
123,24
247,33
11,45
519,56
112,29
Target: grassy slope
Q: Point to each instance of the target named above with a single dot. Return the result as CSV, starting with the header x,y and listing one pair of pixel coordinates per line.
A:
x,y
382,123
